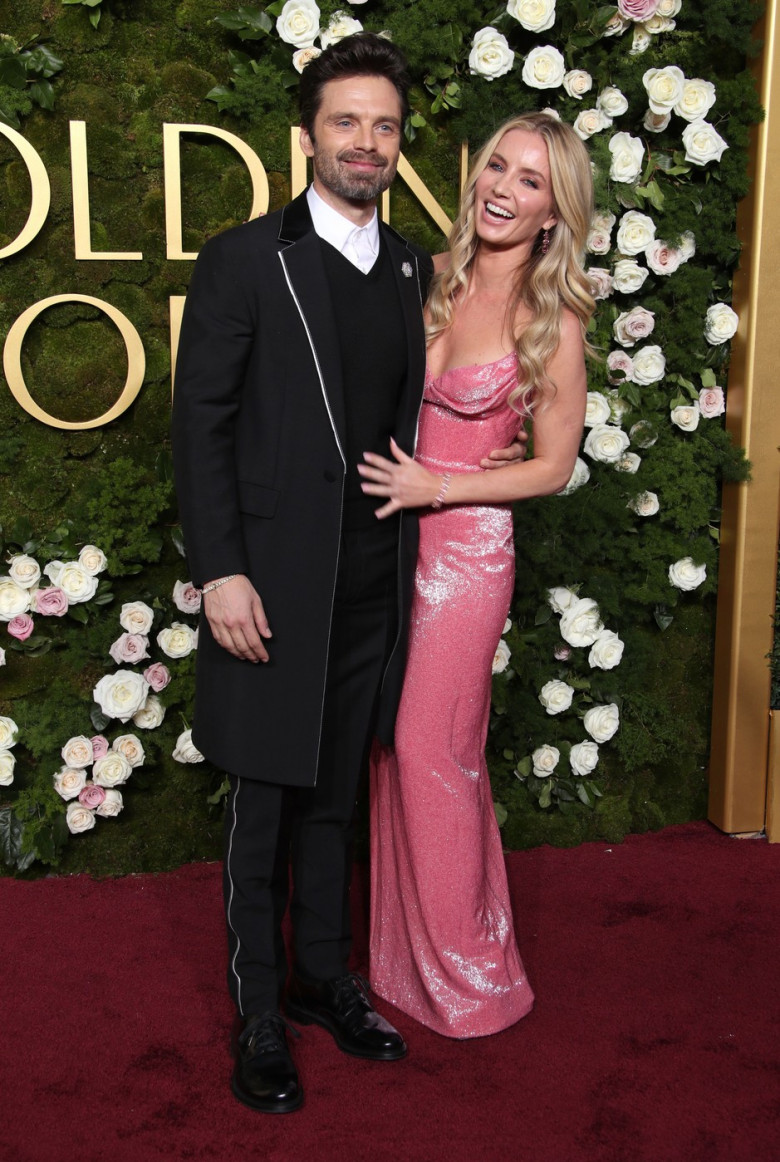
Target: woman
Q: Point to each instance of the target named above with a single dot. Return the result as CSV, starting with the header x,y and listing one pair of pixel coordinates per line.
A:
x,y
506,321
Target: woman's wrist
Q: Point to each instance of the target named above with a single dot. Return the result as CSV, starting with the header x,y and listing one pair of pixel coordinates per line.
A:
x,y
439,499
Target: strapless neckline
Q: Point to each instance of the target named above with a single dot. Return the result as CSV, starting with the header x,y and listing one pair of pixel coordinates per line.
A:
x,y
471,366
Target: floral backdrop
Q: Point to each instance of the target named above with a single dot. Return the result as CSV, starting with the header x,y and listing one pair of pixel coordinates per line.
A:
x,y
602,678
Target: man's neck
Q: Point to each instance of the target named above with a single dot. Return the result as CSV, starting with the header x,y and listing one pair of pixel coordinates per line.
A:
x,y
358,212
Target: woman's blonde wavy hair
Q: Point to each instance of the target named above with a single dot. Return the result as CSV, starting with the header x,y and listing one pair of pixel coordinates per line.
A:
x,y
546,282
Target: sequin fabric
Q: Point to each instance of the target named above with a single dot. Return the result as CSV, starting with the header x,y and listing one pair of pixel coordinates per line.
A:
x,y
443,945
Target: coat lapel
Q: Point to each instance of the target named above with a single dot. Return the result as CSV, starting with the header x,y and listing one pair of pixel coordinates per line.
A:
x,y
304,271
405,265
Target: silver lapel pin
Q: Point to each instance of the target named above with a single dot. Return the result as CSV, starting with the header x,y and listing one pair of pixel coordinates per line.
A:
x,y
407,270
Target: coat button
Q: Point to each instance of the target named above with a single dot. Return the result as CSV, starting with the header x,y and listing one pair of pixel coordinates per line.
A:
x,y
329,476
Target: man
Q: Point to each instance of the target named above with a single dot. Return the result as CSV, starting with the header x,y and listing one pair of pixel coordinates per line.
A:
x,y
302,346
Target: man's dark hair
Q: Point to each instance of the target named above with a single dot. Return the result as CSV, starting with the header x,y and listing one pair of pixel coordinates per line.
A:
x,y
363,54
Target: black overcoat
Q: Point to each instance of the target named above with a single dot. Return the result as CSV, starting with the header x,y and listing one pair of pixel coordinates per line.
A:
x,y
258,443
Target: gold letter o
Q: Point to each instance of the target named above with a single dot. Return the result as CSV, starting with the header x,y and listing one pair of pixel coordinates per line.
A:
x,y
12,362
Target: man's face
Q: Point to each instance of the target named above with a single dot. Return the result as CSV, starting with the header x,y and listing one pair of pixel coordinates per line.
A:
x,y
355,143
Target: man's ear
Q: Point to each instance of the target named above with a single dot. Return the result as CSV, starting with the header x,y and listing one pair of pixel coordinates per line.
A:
x,y
307,145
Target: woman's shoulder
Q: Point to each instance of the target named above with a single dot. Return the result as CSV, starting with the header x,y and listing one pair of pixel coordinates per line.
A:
x,y
441,262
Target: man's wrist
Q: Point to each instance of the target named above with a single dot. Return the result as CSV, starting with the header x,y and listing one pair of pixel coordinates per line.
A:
x,y
212,585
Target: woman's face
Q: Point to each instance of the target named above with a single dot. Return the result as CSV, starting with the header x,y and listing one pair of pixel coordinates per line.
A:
x,y
514,198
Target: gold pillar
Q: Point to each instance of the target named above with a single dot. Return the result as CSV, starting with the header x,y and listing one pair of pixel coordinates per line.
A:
x,y
740,730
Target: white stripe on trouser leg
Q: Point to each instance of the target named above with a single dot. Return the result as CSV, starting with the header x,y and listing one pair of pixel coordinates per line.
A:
x,y
230,900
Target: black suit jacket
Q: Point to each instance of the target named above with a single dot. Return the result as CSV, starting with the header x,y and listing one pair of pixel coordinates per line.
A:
x,y
258,439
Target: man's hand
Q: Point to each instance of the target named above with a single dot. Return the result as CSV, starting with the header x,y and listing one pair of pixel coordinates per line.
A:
x,y
237,619
514,454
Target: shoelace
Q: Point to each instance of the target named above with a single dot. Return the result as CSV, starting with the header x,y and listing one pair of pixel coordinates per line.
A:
x,y
351,992
266,1034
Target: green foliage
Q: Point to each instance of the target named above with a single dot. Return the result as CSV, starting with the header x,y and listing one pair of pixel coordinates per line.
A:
x,y
93,7
25,72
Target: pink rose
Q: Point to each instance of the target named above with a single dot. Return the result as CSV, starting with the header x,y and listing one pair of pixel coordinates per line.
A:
x,y
158,676
51,602
601,284
21,626
637,10
99,746
631,325
130,647
91,796
562,653
186,597
712,402
620,361
663,258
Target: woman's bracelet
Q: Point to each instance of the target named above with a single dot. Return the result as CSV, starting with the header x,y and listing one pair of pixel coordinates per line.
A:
x,y
445,483
216,584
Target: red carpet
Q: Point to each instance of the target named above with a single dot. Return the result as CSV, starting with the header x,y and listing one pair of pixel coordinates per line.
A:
x,y
655,1037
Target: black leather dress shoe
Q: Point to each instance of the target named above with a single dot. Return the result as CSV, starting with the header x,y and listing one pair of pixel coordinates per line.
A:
x,y
342,1007
264,1076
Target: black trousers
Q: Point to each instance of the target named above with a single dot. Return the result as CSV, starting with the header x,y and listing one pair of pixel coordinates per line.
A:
x,y
270,828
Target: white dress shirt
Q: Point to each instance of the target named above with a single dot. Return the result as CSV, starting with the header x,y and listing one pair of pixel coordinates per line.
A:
x,y
358,244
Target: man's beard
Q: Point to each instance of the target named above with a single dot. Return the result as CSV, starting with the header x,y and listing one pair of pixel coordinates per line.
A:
x,y
354,187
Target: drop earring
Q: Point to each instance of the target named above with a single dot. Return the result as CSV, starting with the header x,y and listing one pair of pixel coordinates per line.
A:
x,y
545,241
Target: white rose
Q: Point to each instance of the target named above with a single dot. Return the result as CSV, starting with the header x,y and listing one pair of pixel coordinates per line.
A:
x,y
649,365
599,239
535,15
24,570
686,416
645,504
185,750
79,818
687,245
720,323
666,8
656,24
640,40
77,751
136,617
111,770
544,68
69,781
131,747
581,623
702,143
696,99
7,764
629,463
501,657
92,559
580,475
555,696
8,732
590,121
177,641
602,722
299,23
2,657
576,82
339,26
612,102
685,574
643,434
150,715
616,25
545,760
664,87
663,258
597,409
605,443
618,408
628,276
121,694
490,54
76,583
507,626
619,361
304,56
600,280
13,599
635,232
606,652
561,598
583,758
111,805
632,325
656,122
627,157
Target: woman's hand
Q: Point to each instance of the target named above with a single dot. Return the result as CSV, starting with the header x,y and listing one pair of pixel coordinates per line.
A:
x,y
404,481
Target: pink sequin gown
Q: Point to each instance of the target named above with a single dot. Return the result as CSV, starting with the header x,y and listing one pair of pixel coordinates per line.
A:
x,y
443,946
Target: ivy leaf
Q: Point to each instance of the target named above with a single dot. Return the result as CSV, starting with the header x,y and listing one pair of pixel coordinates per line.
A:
x,y
545,797
501,813
78,613
663,619
43,94
707,376
542,615
177,536
583,796
523,768
219,794
98,719
11,832
12,73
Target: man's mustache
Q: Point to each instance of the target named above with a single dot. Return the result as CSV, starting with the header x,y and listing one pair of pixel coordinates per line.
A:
x,y
365,156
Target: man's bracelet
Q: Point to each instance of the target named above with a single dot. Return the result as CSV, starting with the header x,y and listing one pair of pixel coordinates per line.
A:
x,y
216,584
445,483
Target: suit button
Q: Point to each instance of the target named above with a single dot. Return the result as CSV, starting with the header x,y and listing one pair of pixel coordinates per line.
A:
x,y
329,476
